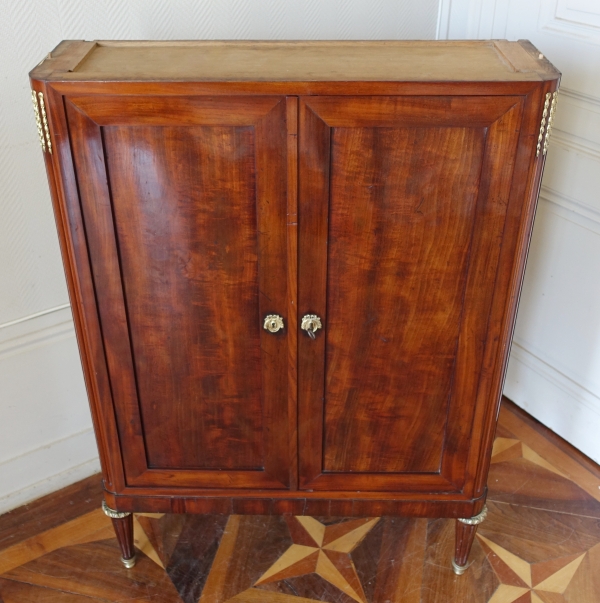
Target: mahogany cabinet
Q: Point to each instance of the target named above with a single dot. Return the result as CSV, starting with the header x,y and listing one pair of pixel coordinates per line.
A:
x,y
294,267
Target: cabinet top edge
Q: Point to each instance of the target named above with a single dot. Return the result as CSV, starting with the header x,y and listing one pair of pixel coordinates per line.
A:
x,y
295,61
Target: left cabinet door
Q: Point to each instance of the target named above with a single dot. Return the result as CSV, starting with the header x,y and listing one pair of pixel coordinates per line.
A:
x,y
183,201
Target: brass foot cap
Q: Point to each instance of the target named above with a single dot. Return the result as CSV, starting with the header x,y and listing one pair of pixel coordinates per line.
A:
x,y
129,563
459,570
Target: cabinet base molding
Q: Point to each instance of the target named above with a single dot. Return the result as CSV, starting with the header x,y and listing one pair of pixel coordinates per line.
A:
x,y
335,507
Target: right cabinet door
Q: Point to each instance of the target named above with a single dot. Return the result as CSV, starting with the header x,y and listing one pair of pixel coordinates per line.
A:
x,y
402,208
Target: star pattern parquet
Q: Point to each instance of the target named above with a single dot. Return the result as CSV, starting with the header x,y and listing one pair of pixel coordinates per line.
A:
x,y
324,551
539,544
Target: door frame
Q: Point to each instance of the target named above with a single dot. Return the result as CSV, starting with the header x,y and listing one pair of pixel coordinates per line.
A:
x,y
511,120
274,123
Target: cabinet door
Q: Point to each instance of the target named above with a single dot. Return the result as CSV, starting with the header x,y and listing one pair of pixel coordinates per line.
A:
x,y
402,208
184,207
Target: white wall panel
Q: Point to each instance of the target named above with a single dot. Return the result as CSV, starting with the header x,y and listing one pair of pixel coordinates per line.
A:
x,y
565,276
46,440
45,429
554,370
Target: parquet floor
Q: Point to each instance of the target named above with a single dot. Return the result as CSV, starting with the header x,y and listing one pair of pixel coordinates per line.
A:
x,y
539,544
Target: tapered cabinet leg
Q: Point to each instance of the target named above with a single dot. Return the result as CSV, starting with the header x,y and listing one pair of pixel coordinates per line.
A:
x,y
465,534
123,525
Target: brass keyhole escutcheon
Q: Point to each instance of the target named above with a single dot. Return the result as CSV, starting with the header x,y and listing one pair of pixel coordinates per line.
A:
x,y
273,322
310,323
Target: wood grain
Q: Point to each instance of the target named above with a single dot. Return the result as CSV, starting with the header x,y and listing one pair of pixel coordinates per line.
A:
x,y
397,260
78,272
93,196
553,448
290,88
292,283
85,528
407,283
212,392
520,551
198,256
513,256
12,591
50,511
93,570
123,528
388,187
313,190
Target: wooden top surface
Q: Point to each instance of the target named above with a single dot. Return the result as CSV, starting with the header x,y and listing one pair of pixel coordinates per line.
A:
x,y
243,61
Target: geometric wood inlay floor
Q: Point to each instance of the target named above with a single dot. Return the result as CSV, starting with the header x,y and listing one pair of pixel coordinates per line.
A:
x,y
539,544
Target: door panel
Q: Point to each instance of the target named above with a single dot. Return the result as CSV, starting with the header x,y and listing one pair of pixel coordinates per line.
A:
x,y
395,284
190,271
186,219
394,203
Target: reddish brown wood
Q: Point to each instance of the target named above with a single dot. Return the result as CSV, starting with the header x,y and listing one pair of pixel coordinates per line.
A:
x,y
93,194
516,238
406,111
292,283
467,426
399,212
183,492
124,531
123,111
272,201
76,263
465,534
205,273
313,173
396,551
214,203
294,88
317,503
406,273
398,250
50,511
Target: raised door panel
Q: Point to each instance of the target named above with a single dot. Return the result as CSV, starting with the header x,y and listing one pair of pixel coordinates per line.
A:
x,y
402,204
184,204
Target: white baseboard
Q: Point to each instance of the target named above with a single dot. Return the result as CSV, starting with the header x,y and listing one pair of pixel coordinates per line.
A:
x,y
561,404
34,474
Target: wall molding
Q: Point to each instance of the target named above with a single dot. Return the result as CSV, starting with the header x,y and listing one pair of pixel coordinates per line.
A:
x,y
38,329
585,108
580,15
567,23
593,101
35,315
443,24
575,143
570,209
553,398
473,19
466,27
561,380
